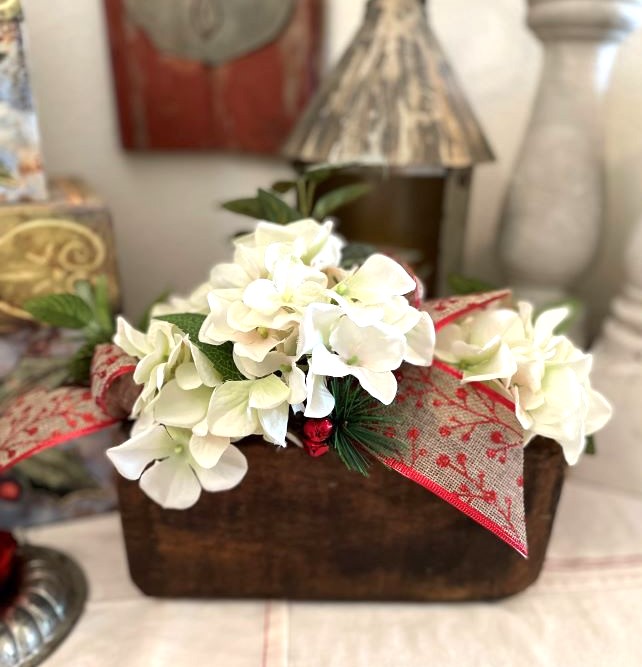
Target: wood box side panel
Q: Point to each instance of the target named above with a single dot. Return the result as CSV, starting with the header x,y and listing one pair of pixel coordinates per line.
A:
x,y
304,528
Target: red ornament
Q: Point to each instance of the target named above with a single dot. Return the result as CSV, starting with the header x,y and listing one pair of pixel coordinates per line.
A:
x,y
318,430
315,449
8,546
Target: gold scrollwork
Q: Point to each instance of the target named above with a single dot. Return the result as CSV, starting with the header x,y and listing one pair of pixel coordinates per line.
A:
x,y
9,9
43,256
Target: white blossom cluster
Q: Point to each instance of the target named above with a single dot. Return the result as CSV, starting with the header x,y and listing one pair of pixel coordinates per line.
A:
x,y
545,375
295,318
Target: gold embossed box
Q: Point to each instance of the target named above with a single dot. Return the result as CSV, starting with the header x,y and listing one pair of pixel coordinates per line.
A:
x,y
47,246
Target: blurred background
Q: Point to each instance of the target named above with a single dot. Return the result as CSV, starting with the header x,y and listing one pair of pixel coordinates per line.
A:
x,y
166,200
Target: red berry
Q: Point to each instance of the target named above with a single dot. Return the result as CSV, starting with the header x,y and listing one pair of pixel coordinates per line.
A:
x,y
318,430
315,449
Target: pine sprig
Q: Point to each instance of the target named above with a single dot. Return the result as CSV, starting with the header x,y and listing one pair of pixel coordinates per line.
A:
x,y
359,425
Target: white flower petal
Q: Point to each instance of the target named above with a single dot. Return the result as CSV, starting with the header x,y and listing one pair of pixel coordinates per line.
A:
x,y
134,455
268,393
370,347
226,474
132,341
499,366
187,376
323,362
296,383
382,386
229,412
210,377
420,342
320,402
261,295
274,423
378,278
178,407
600,412
171,483
207,450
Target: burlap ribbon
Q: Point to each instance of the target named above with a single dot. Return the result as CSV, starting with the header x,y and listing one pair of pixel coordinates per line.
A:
x,y
41,419
462,442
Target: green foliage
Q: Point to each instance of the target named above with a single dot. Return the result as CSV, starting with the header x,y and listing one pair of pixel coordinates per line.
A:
x,y
67,311
354,254
275,209
335,199
359,422
250,206
269,205
462,285
87,310
220,356
590,446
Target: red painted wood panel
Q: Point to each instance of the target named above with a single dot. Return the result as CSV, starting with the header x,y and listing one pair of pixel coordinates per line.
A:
x,y
249,104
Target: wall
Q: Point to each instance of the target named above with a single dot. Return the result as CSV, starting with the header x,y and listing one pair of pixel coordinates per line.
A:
x,y
168,225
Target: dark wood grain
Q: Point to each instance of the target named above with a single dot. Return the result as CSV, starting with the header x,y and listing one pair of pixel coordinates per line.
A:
x,y
304,528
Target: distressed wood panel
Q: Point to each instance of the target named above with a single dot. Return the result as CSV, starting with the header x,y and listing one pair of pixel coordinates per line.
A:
x,y
249,103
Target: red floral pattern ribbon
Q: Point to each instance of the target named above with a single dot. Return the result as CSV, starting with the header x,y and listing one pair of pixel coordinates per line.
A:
x,y
462,442
41,419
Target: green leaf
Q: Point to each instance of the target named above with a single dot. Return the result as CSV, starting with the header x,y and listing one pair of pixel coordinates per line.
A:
x,y
354,254
590,446
464,285
250,206
283,186
335,199
275,209
319,173
68,311
220,356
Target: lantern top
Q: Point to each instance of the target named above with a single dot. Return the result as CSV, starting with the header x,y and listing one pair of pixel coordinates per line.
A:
x,y
391,101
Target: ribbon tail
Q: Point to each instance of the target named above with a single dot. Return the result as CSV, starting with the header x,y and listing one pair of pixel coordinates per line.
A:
x,y
464,444
41,419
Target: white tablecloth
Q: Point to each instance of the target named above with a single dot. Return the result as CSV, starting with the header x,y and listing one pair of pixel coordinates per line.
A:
x,y
585,610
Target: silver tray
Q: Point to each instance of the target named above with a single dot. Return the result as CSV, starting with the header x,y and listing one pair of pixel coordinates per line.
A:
x,y
50,599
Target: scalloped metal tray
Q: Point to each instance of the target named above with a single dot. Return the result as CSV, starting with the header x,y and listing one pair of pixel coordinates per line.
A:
x,y
51,595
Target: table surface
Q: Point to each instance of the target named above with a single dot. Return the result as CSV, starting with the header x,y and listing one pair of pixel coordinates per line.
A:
x,y
584,611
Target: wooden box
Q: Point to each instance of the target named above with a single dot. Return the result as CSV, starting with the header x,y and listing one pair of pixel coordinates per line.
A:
x,y
308,529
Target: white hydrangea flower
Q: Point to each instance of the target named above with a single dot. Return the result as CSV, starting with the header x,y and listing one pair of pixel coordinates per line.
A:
x,y
480,344
545,374
174,465
245,407
313,243
195,302
560,403
339,346
163,351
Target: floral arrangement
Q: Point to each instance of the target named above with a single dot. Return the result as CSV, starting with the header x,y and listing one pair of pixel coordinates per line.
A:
x,y
301,340
256,346
279,333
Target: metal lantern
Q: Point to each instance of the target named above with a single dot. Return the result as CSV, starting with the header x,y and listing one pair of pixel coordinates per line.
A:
x,y
393,110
